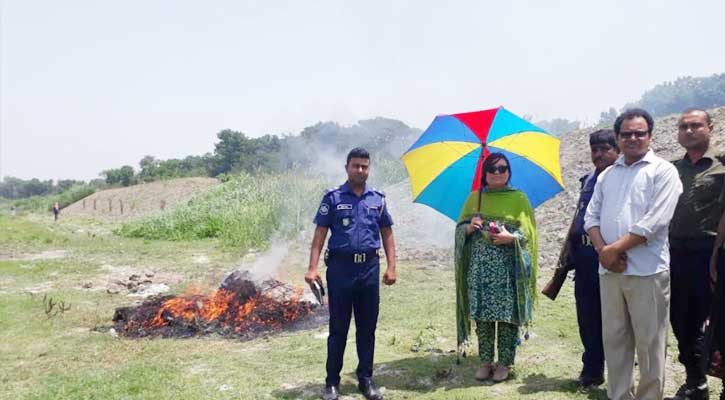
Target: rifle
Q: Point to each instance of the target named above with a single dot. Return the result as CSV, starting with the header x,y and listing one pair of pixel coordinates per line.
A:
x,y
564,265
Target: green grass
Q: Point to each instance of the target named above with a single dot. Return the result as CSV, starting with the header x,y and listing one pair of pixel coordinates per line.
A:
x,y
62,357
45,203
242,212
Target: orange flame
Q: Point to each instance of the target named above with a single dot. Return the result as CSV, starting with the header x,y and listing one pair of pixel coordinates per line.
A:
x,y
226,307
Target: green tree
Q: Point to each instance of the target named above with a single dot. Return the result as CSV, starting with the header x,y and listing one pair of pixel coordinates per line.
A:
x,y
123,176
608,117
228,152
149,166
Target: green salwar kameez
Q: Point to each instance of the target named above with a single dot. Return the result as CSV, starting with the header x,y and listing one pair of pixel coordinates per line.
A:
x,y
496,283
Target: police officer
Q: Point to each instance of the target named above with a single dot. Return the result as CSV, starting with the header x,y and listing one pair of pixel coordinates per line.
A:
x,y
604,152
358,217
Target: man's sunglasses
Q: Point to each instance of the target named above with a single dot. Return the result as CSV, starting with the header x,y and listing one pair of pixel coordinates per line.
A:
x,y
629,135
500,169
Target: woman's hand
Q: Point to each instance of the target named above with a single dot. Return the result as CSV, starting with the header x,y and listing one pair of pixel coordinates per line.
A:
x,y
503,237
475,225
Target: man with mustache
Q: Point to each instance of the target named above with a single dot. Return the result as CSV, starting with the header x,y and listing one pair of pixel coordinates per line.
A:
x,y
627,220
692,234
581,253
358,218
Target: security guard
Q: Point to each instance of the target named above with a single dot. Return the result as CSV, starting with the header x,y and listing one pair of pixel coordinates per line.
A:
x,y
693,230
604,152
358,217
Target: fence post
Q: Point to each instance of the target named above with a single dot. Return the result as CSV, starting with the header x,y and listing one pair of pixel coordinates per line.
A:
x,y
110,205
94,204
84,204
120,202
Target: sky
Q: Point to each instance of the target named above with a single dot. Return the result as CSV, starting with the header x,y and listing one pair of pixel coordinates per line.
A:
x,y
91,85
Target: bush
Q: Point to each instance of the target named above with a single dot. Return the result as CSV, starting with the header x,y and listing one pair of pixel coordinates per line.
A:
x,y
244,212
65,198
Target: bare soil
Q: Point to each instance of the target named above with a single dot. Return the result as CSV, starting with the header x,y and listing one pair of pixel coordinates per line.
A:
x,y
121,204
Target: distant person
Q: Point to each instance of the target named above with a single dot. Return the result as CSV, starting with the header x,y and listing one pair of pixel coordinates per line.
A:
x,y
56,210
627,220
358,216
692,235
495,259
581,253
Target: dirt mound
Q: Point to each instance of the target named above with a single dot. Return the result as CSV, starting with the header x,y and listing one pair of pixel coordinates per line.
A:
x,y
138,200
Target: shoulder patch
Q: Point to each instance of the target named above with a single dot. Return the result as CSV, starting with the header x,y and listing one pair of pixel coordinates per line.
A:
x,y
378,191
332,189
324,209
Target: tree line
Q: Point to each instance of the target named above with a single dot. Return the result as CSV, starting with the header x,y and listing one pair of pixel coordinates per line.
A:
x,y
16,188
663,99
235,152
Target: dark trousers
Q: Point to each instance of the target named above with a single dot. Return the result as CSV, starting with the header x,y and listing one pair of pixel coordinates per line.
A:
x,y
589,312
690,306
352,288
719,337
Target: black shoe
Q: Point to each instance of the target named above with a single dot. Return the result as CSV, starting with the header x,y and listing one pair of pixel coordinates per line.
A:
x,y
686,392
331,393
589,381
369,389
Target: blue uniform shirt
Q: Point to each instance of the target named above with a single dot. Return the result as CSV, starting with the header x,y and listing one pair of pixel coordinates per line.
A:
x,y
355,222
579,235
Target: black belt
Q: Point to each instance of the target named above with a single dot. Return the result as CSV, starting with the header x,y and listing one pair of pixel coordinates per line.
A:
x,y
355,258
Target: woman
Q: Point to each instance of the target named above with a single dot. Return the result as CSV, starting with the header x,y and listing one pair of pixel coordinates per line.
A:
x,y
495,258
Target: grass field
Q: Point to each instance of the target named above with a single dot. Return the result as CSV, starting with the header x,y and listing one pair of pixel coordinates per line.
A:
x,y
67,357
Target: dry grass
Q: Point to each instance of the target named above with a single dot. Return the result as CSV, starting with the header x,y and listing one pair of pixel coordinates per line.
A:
x,y
138,200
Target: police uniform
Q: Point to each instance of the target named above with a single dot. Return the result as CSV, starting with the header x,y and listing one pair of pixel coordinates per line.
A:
x,y
586,285
353,272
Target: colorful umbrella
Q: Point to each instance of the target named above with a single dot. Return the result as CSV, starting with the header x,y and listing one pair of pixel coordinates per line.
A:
x,y
444,164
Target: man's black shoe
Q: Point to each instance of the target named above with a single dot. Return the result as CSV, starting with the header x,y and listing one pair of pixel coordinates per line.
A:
x,y
369,389
331,393
589,381
686,392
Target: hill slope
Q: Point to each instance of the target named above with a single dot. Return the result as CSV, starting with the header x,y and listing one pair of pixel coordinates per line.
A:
x,y
138,200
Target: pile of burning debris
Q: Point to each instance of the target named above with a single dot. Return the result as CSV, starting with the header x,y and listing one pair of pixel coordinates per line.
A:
x,y
239,308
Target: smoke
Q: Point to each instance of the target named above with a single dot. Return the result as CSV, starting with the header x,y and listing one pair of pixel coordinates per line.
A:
x,y
320,152
418,228
266,265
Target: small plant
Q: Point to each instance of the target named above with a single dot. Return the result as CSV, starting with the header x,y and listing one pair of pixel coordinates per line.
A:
x,y
53,308
425,339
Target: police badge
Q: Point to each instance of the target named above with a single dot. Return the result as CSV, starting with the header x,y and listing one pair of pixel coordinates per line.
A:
x,y
324,209
346,221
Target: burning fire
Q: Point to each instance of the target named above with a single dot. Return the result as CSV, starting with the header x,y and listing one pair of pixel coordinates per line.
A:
x,y
239,307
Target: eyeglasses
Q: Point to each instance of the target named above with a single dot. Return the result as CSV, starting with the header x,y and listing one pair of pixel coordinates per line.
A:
x,y
501,169
637,134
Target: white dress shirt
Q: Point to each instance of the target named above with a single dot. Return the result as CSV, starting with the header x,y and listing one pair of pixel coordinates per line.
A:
x,y
638,199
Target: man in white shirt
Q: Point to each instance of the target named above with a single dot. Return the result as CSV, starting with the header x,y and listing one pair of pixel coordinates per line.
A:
x,y
627,220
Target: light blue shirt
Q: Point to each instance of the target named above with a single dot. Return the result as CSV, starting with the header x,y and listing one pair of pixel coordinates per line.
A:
x,y
638,199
